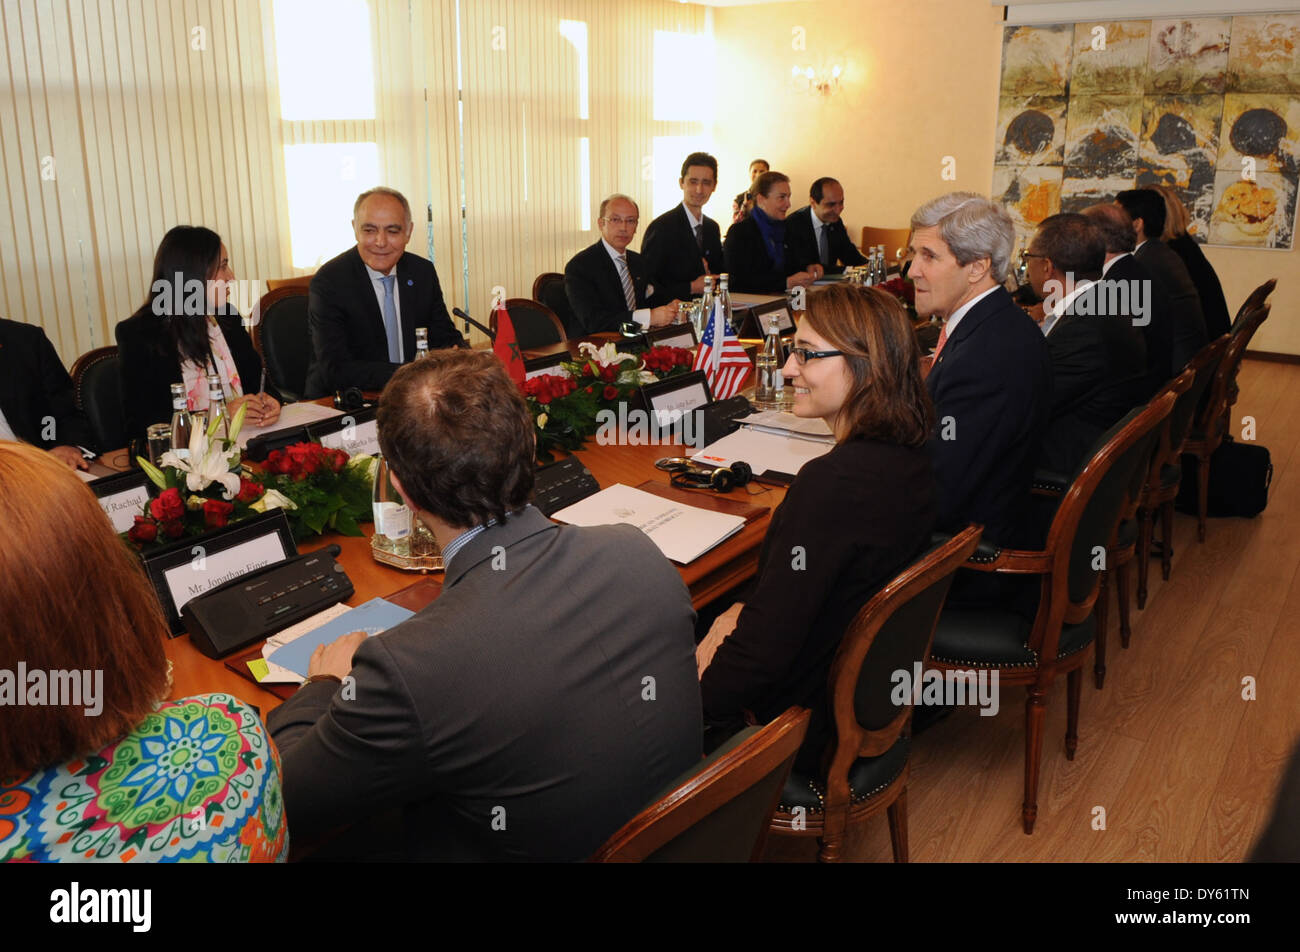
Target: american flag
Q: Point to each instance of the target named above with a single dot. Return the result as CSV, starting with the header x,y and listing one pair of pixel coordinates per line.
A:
x,y
727,367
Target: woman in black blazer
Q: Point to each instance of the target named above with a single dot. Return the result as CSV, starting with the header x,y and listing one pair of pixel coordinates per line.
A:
x,y
851,520
186,330
1213,304
755,247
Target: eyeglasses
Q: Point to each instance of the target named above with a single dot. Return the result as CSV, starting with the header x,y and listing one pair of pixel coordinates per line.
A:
x,y
802,354
1026,255
623,221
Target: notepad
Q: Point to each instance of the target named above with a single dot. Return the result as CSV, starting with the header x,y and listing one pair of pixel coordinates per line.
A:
x,y
683,533
776,457
373,617
291,415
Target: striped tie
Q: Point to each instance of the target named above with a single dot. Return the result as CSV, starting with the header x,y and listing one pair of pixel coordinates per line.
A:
x,y
624,275
943,339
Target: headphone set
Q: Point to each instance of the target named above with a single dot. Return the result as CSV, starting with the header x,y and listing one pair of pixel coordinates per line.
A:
x,y
350,399
687,475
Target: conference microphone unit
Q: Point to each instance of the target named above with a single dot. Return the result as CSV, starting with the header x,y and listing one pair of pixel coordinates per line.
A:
x,y
469,320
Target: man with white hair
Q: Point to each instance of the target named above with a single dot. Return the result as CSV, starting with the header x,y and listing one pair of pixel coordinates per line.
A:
x,y
607,284
992,376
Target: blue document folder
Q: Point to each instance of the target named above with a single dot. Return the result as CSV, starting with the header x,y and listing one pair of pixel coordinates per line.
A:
x,y
373,617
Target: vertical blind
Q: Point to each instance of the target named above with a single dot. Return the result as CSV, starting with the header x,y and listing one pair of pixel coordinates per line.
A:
x,y
122,118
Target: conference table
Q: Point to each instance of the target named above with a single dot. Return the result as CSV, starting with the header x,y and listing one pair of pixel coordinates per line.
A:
x,y
708,577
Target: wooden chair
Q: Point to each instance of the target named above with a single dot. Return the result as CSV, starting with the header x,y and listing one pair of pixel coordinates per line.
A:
x,y
549,289
719,811
536,325
97,392
1211,421
1121,549
868,761
1166,473
1034,653
1256,298
894,239
299,281
280,335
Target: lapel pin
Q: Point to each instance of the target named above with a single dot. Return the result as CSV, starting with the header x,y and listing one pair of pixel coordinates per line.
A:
x,y
410,283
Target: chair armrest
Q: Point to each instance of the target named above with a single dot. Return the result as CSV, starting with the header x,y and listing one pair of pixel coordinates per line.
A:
x,y
990,558
1049,483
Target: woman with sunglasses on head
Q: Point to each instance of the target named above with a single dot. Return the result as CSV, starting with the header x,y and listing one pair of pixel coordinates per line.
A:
x,y
851,520
187,330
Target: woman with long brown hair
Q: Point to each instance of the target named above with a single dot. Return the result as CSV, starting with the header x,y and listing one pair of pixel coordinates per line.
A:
x,y
850,520
95,763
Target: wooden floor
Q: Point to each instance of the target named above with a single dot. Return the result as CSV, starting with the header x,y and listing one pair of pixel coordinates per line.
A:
x,y
1185,769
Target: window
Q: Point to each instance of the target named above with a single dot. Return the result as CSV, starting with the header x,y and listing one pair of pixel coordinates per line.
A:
x,y
323,181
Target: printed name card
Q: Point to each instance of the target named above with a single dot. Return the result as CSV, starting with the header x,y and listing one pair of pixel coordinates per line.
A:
x,y
122,497
207,570
672,406
354,438
685,340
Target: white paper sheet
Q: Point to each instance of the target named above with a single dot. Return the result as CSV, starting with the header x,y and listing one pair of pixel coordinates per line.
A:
x,y
291,415
683,533
764,452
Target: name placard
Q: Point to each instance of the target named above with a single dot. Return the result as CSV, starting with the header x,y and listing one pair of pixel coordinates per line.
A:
x,y
189,567
672,406
673,335
784,321
206,570
355,438
537,366
122,497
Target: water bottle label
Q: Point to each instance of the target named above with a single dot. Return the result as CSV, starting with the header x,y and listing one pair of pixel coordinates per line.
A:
x,y
392,520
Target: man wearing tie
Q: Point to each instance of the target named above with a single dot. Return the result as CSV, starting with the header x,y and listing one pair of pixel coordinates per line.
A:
x,y
815,233
608,285
365,305
681,246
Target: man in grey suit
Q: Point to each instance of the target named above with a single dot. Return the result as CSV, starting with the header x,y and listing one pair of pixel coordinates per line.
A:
x,y
1146,207
544,698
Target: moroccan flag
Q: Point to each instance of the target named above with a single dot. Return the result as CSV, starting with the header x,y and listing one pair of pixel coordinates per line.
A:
x,y
722,357
506,345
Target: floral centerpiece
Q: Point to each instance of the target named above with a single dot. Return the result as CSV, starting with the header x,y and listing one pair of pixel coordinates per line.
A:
x,y
565,405
905,291
210,488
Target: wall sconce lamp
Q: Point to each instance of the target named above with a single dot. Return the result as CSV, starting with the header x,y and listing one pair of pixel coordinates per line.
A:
x,y
825,81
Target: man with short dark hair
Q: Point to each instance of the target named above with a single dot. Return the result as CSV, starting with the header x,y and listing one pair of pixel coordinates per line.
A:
x,y
546,696
682,245
607,284
364,305
816,234
1128,277
1146,207
1098,356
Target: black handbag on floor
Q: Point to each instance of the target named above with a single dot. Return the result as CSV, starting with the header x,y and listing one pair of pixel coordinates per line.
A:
x,y
1240,474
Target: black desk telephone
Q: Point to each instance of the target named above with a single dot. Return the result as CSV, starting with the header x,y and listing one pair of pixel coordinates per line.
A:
x,y
257,605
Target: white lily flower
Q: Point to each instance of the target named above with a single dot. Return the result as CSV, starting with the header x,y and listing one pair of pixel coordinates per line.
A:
x,y
273,499
208,463
607,354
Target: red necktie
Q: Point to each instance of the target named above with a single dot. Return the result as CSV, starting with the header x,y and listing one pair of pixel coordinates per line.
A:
x,y
943,339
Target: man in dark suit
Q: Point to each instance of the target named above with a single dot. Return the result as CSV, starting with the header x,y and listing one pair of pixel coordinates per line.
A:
x,y
1129,279
815,233
546,696
991,379
37,403
682,245
1146,207
365,305
608,285
1099,368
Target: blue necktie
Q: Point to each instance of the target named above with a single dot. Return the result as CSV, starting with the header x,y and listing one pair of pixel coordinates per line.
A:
x,y
391,327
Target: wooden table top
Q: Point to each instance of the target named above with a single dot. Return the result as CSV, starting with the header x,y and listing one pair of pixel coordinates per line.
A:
x,y
708,577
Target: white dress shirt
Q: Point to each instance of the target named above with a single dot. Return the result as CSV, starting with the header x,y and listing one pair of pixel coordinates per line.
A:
x,y
377,282
1055,311
957,315
642,314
